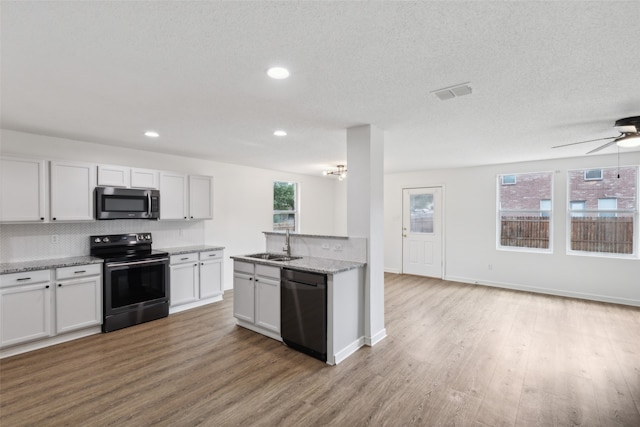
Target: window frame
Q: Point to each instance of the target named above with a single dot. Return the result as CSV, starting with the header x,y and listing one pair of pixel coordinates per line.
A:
x,y
296,208
529,212
635,214
586,171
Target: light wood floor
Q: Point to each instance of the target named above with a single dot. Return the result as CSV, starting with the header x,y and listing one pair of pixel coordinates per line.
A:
x,y
455,354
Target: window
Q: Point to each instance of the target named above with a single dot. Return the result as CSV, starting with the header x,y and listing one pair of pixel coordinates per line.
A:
x,y
508,179
593,174
524,211
603,213
285,206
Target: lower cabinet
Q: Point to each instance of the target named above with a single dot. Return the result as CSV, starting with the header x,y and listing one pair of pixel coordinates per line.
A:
x,y
44,303
196,278
256,297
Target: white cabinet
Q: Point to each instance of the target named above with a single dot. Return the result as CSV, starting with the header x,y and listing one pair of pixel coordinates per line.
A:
x,y
113,176
78,297
196,278
23,190
145,178
211,274
173,196
256,297
72,186
25,307
123,176
184,279
200,197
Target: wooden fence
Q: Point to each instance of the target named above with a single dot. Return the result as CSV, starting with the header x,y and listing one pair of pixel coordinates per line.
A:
x,y
602,234
525,232
589,234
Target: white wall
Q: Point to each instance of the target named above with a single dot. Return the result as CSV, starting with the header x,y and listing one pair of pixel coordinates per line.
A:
x,y
470,234
243,196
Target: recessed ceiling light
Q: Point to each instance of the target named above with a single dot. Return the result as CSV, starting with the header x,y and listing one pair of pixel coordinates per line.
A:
x,y
278,73
280,132
151,134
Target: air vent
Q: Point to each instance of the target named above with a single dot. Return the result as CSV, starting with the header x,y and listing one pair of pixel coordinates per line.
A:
x,y
453,91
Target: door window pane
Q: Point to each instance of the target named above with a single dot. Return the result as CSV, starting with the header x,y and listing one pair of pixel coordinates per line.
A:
x,y
421,206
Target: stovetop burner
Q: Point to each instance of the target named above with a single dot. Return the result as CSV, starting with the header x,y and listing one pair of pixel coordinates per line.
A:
x,y
124,247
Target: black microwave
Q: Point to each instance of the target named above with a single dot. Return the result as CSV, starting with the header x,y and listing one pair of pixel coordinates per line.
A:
x,y
127,203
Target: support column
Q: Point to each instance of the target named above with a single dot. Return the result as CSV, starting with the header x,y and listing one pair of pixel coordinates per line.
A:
x,y
365,218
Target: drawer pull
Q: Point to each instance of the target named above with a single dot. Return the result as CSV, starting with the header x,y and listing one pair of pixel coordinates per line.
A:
x,y
23,278
79,271
184,259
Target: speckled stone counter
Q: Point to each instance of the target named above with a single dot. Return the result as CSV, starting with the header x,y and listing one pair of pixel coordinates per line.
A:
x,y
190,249
46,264
316,265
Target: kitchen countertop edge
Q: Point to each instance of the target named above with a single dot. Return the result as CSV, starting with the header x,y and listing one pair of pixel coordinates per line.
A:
x,y
47,264
179,250
316,265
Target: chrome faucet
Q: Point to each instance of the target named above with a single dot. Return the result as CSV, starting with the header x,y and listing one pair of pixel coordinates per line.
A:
x,y
287,245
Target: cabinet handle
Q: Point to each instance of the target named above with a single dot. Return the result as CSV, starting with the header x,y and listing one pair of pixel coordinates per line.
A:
x,y
59,285
256,280
202,263
53,219
191,217
80,271
23,278
46,287
185,217
41,219
195,265
250,278
184,259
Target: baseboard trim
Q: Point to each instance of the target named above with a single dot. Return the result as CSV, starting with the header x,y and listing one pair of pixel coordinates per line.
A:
x,y
392,270
46,342
546,291
189,306
348,350
375,339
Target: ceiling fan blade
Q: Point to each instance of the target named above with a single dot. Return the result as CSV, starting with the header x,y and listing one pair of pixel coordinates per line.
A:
x,y
582,142
602,147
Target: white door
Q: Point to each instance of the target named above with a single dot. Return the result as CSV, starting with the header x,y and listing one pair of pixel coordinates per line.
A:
x,y
422,231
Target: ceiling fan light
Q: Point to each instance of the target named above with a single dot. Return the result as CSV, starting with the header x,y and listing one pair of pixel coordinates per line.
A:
x,y
629,141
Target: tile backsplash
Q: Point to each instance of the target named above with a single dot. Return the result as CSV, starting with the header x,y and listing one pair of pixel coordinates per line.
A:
x,y
28,242
340,248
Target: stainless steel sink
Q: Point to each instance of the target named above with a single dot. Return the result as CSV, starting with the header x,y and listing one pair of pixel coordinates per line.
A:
x,y
273,257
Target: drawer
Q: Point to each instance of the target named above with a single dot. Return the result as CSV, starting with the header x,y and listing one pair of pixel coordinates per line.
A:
x,y
243,267
26,278
78,271
268,271
179,259
210,255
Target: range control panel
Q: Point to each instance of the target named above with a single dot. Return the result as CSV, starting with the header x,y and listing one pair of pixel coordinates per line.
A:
x,y
121,239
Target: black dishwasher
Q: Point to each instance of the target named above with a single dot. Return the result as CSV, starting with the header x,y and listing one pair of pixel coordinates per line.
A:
x,y
303,305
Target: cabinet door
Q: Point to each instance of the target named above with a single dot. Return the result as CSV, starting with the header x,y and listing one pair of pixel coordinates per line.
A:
x,y
72,186
22,190
113,176
78,303
210,278
173,196
268,303
184,283
200,197
243,297
144,178
25,313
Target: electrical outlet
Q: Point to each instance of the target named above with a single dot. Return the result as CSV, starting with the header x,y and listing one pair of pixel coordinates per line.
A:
x,y
337,247
325,247
55,239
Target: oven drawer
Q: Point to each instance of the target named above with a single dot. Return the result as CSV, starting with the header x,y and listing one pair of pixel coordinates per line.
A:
x,y
26,278
78,271
179,259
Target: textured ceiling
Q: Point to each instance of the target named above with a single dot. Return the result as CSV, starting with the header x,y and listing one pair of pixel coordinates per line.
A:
x,y
542,73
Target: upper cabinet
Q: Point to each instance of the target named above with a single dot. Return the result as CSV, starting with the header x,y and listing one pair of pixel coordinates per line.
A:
x,y
200,197
23,190
185,196
122,176
72,187
173,196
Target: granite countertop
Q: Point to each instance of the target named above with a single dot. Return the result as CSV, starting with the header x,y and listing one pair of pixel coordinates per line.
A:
x,y
305,263
47,264
190,249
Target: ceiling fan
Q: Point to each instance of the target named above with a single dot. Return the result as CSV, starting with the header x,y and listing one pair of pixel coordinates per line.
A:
x,y
629,129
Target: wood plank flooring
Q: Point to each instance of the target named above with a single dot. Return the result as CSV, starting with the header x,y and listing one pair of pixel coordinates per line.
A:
x,y
456,354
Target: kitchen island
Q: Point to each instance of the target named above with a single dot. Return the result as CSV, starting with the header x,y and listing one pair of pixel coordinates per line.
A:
x,y
257,299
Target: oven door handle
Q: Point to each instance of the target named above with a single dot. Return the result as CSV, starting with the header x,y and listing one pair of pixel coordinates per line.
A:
x,y
126,264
